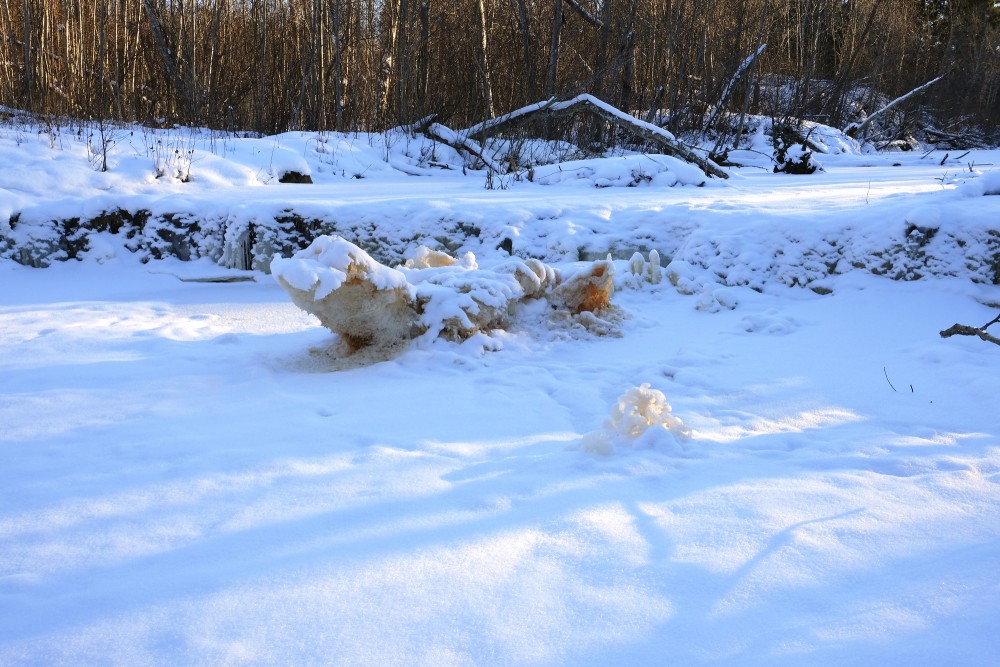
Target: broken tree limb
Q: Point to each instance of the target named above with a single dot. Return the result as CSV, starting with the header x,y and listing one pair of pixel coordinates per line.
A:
x,y
856,130
966,330
647,131
737,75
587,16
479,131
461,142
420,126
651,133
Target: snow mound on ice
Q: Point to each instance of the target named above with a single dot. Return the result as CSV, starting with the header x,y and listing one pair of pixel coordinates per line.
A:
x,y
626,171
366,303
987,184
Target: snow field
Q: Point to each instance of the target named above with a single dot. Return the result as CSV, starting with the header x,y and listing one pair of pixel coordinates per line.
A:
x,y
191,477
209,493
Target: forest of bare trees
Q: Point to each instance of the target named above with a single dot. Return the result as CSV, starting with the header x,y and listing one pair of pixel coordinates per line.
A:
x,y
275,65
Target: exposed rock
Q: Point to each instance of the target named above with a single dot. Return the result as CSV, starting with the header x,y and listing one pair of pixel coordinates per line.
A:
x,y
294,177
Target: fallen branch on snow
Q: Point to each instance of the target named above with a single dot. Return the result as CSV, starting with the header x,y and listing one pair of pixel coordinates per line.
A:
x,y
966,330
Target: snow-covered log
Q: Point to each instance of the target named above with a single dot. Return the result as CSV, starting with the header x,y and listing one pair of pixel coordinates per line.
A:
x,y
480,130
649,132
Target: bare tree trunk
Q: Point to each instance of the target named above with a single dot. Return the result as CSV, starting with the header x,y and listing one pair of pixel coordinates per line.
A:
x,y
319,58
603,44
101,50
7,85
628,70
551,76
844,80
524,25
29,66
167,56
213,59
402,61
424,64
746,98
338,66
261,25
391,14
484,61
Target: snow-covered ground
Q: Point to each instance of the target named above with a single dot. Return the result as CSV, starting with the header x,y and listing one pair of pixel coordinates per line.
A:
x,y
188,477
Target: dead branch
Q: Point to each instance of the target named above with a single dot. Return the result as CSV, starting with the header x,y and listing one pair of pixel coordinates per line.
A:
x,y
966,330
737,75
587,16
886,373
479,131
462,143
856,130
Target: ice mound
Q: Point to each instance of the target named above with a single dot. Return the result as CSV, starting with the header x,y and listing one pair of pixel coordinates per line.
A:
x,y
985,185
587,289
431,296
642,270
366,303
641,416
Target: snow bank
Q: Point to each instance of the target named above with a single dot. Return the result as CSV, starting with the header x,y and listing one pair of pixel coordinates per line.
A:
x,y
233,211
986,184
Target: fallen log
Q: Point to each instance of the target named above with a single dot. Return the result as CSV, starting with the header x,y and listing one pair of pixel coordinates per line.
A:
x,y
650,133
857,130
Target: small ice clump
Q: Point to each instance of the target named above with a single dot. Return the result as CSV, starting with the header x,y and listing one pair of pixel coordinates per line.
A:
x,y
640,417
